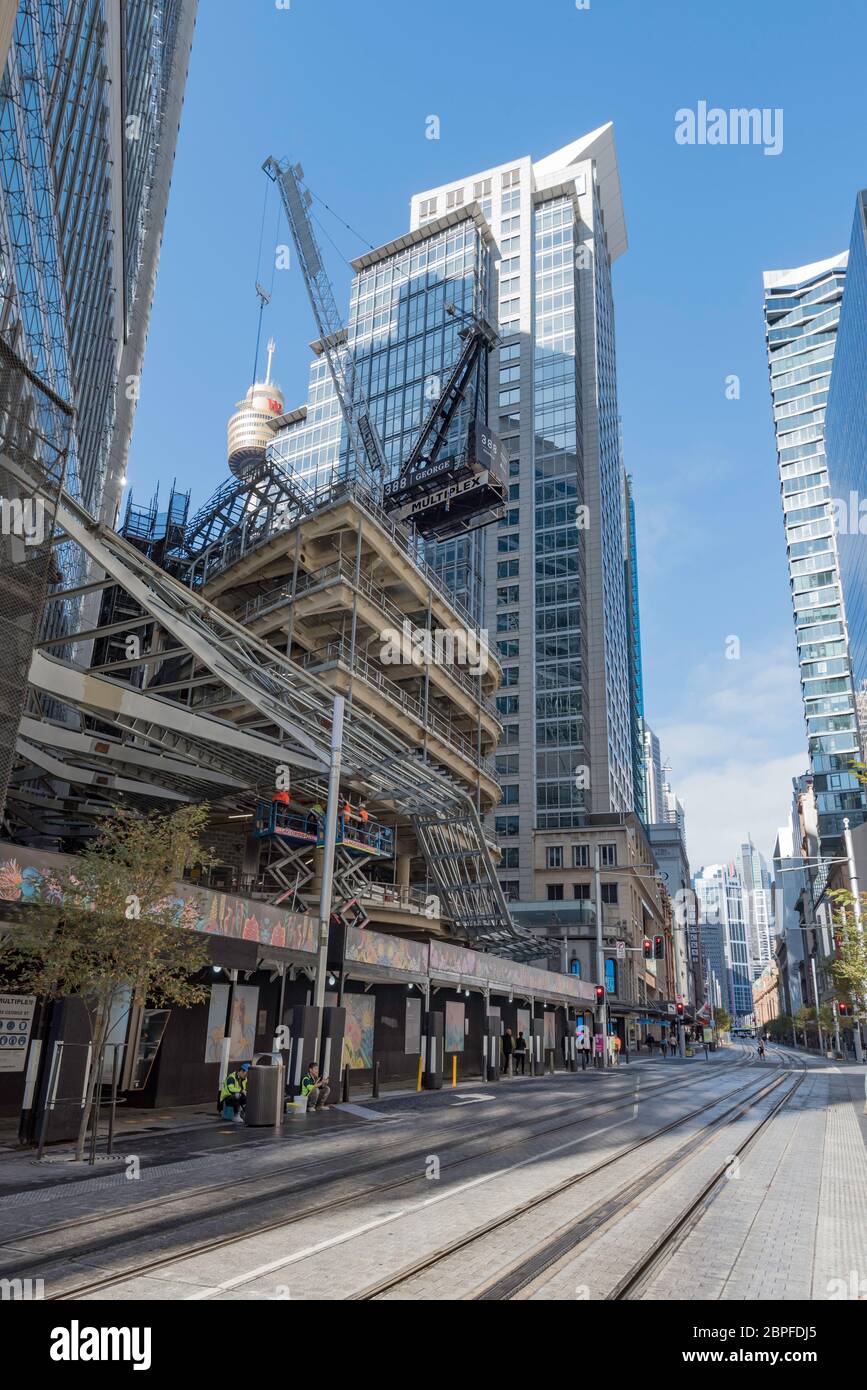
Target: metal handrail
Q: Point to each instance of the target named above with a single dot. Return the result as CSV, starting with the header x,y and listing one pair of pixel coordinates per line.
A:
x,y
338,651
343,568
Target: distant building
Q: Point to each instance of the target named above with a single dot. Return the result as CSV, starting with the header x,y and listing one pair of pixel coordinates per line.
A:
x,y
758,905
720,893
766,995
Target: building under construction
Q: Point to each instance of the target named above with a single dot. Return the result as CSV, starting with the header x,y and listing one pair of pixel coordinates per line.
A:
x,y
206,657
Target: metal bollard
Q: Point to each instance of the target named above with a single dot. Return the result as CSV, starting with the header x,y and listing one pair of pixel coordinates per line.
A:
x,y
375,1093
346,1085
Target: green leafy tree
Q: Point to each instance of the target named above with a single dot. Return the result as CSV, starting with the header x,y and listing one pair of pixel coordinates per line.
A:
x,y
117,928
780,1028
848,966
722,1020
804,1018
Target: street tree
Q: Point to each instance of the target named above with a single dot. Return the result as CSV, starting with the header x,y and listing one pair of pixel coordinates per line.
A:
x,y
722,1020
117,929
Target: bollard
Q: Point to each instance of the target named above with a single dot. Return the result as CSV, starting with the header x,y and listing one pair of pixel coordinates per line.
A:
x,y
454,1069
375,1095
420,1070
346,1085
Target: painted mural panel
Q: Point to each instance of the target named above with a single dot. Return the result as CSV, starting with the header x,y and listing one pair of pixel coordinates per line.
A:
x,y
393,952
550,1029
30,876
523,1022
360,1025
455,1030
244,1006
412,1027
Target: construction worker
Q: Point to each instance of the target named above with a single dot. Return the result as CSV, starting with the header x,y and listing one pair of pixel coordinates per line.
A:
x,y
233,1092
315,1087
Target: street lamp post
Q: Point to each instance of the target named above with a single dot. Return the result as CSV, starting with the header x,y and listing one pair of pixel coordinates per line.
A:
x,y
328,850
602,1006
853,883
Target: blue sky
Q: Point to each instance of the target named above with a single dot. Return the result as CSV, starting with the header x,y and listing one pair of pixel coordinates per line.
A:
x,y
347,87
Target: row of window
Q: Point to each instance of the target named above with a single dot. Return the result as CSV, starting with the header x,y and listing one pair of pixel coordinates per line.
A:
x,y
580,856
581,892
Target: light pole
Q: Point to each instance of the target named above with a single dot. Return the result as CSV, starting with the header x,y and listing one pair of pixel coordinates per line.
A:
x,y
602,1007
328,850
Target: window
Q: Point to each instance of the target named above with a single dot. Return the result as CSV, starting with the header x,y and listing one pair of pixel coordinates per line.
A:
x,y
510,245
508,224
427,207
454,198
510,517
511,733
511,202
580,856
482,189
511,857
510,795
507,766
508,622
510,676
506,825
510,887
555,892
507,543
507,704
514,489
514,467
507,595
510,352
554,857
511,397
609,892
575,967
608,856
581,891
507,569
611,977
511,178
509,374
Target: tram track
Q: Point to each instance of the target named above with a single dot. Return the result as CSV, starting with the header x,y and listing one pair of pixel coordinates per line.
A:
x,y
482,1148
389,1151
565,1242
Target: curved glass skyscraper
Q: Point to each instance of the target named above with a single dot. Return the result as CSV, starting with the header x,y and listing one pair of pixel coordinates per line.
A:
x,y
802,312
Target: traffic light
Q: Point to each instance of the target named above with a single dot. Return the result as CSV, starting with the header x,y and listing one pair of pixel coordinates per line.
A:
x,y
658,947
600,994
845,1009
648,948
679,1008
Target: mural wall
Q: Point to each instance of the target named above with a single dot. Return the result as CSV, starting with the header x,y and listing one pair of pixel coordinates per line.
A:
x,y
360,1025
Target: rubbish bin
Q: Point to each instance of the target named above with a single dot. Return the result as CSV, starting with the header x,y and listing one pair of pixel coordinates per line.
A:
x,y
264,1095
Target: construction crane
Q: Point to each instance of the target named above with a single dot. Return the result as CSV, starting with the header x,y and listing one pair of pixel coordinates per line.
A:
x,y
440,495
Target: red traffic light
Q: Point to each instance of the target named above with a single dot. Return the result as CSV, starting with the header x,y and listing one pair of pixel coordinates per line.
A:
x,y
659,947
648,948
844,1008
600,993
679,1008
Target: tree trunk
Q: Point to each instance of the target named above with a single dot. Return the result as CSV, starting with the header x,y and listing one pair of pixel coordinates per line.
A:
x,y
98,1035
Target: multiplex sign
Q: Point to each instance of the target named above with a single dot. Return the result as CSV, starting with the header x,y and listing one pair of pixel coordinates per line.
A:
x,y
443,496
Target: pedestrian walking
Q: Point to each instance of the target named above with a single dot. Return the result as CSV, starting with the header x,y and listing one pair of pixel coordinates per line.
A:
x,y
520,1052
761,1050
508,1048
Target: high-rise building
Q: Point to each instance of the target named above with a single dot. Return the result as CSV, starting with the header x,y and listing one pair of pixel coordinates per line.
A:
x,y
653,797
846,445
558,579
90,104
758,905
802,312
719,890
90,101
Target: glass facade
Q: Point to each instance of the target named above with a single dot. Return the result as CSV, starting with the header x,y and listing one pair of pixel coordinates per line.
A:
x,y
846,446
720,893
802,312
404,344
561,798
82,130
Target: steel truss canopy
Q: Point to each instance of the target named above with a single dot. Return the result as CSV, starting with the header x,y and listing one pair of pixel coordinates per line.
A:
x,y
108,738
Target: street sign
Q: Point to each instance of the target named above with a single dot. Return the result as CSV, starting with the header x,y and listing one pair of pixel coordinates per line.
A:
x,y
621,950
16,1016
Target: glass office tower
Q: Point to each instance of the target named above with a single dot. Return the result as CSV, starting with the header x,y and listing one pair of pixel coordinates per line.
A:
x,y
720,893
846,443
90,105
802,311
557,575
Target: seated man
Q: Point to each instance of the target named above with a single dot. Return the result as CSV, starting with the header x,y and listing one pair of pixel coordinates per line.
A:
x,y
315,1088
233,1092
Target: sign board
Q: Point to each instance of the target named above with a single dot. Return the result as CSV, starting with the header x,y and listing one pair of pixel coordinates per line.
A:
x,y
599,1042
581,1036
16,1017
708,1034
621,950
672,1008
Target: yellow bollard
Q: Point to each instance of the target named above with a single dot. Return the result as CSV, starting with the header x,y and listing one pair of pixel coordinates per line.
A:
x,y
454,1069
420,1069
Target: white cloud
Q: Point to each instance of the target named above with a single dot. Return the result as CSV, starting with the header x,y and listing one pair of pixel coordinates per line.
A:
x,y
734,743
